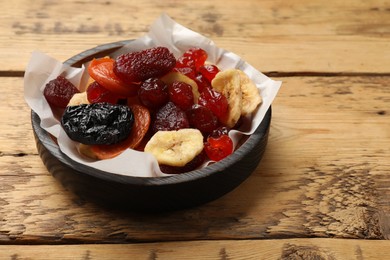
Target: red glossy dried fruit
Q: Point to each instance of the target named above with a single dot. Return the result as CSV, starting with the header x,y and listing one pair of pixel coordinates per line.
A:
x,y
202,82
170,117
218,148
181,94
139,66
209,71
193,58
215,101
192,165
153,93
97,93
59,91
202,118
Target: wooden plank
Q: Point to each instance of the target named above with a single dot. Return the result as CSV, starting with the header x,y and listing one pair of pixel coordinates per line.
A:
x,y
328,249
344,36
325,173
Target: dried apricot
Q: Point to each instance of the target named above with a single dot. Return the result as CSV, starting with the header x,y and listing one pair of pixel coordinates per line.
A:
x,y
102,70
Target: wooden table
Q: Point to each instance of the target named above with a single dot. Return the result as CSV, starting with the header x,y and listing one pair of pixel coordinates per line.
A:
x,y
322,189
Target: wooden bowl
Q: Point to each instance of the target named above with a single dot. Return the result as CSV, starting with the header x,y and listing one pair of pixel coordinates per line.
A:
x,y
149,194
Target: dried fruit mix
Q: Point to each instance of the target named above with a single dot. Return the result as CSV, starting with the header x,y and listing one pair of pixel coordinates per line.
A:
x,y
179,110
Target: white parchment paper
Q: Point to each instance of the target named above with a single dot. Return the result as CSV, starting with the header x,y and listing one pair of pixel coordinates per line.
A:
x,y
163,32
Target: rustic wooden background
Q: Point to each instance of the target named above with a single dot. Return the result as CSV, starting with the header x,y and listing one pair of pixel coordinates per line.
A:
x,y
323,187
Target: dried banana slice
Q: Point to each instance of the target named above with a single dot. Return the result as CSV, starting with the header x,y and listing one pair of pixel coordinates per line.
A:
x,y
175,148
177,76
251,97
78,99
228,83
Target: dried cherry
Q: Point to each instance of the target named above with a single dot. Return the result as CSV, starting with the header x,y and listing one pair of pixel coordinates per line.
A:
x,y
215,101
153,93
98,123
202,82
181,94
170,117
202,118
59,91
96,93
209,71
218,147
192,58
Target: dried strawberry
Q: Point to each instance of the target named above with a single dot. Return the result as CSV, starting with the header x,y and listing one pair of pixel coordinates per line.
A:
x,y
139,66
59,91
170,117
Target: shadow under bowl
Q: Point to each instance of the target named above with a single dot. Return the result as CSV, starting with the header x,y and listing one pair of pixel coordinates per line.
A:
x,y
156,193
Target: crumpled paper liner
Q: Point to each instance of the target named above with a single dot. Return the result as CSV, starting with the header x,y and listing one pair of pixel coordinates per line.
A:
x,y
163,32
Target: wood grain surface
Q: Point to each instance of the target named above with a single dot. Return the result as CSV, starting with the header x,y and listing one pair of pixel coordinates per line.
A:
x,y
311,36
324,174
322,190
318,248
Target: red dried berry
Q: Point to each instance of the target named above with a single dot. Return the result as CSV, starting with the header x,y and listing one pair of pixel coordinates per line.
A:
x,y
96,93
170,117
139,66
215,101
153,93
185,62
209,71
59,91
190,166
191,61
218,148
202,118
181,94
197,56
202,82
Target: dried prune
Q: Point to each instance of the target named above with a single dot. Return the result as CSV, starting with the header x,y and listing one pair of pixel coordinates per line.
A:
x,y
139,66
59,91
98,123
170,117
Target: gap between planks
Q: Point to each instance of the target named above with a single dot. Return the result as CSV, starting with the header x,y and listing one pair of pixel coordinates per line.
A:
x,y
275,74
